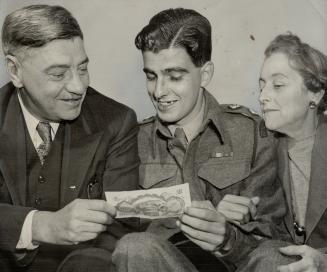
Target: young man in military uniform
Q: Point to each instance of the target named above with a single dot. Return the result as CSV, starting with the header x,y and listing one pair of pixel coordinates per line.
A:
x,y
223,152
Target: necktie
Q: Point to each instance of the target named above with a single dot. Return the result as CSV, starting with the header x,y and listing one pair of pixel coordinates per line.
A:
x,y
44,130
180,143
181,139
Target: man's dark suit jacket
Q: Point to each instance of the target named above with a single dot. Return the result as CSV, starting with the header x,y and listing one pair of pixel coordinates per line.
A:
x,y
100,147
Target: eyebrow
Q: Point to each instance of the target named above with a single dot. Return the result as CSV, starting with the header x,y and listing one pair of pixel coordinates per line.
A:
x,y
168,70
65,66
279,74
274,75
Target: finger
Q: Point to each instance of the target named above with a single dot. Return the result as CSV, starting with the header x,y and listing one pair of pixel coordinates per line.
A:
x,y
203,245
243,200
203,205
83,237
101,205
243,204
206,237
98,217
203,225
236,217
205,214
299,266
225,206
255,200
293,250
88,227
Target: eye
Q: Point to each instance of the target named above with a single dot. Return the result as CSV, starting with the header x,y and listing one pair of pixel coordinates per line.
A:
x,y
57,77
175,78
278,86
83,71
150,77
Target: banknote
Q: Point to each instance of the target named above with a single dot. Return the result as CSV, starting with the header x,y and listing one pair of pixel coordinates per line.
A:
x,y
152,203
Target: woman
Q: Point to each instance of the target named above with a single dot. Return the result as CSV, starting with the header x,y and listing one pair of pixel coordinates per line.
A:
x,y
293,96
293,85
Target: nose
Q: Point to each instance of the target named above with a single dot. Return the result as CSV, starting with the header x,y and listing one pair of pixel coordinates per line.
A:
x,y
75,84
264,97
160,89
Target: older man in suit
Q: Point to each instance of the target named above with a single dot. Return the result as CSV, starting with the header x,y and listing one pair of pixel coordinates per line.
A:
x,y
62,145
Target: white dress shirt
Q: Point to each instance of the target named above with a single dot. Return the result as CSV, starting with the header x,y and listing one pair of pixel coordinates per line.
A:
x,y
25,239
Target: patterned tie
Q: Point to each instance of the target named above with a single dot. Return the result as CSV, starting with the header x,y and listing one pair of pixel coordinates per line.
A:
x,y
44,130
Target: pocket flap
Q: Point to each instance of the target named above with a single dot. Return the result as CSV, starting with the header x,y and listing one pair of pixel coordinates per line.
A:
x,y
152,174
223,173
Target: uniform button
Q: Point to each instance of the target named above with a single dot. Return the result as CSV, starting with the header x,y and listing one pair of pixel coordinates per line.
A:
x,y
170,146
38,201
41,179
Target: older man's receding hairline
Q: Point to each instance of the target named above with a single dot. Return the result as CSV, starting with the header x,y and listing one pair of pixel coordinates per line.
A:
x,y
36,25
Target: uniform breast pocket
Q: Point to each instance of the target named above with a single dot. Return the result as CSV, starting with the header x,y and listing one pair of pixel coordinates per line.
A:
x,y
157,175
224,173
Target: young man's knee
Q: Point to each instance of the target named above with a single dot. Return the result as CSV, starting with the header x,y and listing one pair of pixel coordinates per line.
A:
x,y
138,243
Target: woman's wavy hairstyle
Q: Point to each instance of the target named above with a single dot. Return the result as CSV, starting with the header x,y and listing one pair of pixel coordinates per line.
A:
x,y
308,61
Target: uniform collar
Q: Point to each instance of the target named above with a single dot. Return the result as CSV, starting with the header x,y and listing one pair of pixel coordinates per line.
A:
x,y
212,116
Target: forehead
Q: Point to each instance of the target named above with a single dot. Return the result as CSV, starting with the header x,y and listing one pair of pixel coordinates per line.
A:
x,y
61,52
167,59
277,63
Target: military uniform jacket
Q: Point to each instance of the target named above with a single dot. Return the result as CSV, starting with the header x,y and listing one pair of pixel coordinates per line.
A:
x,y
99,154
233,154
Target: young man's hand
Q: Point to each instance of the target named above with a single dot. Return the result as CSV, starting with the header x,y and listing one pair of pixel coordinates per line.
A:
x,y
238,209
204,225
79,221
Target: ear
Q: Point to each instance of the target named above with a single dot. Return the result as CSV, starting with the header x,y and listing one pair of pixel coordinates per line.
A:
x,y
14,70
317,96
207,71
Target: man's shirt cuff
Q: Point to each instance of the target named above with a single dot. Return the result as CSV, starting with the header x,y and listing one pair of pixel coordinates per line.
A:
x,y
25,239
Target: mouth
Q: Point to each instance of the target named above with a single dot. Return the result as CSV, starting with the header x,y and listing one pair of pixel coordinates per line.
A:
x,y
265,111
164,104
72,101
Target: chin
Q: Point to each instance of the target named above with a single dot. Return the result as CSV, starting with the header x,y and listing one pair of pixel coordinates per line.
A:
x,y
167,118
70,116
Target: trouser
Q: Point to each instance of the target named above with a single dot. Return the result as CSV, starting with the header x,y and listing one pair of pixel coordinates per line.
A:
x,y
146,251
266,257
69,258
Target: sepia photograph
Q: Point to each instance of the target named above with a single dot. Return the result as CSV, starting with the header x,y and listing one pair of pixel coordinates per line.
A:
x,y
177,135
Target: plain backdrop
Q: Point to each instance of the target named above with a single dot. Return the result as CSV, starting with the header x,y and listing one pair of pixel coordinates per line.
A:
x,y
241,31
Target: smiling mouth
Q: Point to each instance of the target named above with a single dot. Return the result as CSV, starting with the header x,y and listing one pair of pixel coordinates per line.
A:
x,y
268,110
166,103
73,101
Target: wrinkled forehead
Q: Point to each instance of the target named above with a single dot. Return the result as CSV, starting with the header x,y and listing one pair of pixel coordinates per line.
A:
x,y
68,52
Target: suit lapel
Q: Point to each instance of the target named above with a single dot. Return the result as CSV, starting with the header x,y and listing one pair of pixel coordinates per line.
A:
x,y
284,176
12,144
317,200
80,145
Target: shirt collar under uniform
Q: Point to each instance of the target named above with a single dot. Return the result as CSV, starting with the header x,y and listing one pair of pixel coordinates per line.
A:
x,y
192,128
212,113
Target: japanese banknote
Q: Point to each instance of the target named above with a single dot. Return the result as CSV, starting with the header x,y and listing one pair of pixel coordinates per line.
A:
x,y
152,203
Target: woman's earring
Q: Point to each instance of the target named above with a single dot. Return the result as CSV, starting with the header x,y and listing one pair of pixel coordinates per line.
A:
x,y
312,105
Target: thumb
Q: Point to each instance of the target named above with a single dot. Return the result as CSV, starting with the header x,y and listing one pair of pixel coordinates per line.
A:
x,y
291,250
203,205
255,200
